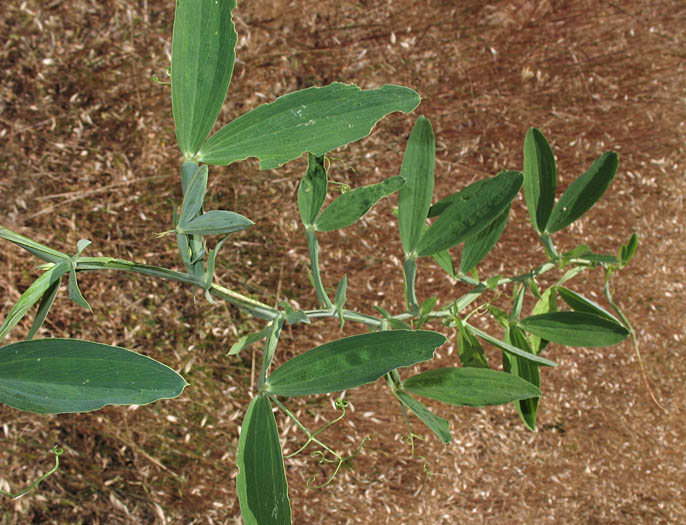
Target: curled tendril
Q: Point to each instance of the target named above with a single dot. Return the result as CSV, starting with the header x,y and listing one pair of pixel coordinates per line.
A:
x,y
323,459
156,80
58,451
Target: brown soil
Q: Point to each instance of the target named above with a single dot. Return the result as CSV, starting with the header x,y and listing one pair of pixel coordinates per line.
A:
x,y
88,151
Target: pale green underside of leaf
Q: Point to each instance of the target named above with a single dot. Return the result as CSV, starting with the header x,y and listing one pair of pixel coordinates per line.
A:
x,y
470,386
352,361
438,425
53,376
215,222
352,205
261,483
203,54
315,120
575,329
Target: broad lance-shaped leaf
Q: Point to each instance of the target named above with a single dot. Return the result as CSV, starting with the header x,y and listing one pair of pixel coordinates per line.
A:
x,y
353,204
470,386
44,308
215,222
54,376
194,195
315,120
478,246
575,329
540,178
414,198
312,189
39,250
34,292
438,425
584,192
512,364
352,361
203,54
468,212
261,483
579,303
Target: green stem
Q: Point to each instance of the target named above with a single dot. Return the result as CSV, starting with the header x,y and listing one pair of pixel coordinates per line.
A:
x,y
550,250
409,275
313,246
253,306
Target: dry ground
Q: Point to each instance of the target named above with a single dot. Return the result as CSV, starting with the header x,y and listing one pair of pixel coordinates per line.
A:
x,y
87,151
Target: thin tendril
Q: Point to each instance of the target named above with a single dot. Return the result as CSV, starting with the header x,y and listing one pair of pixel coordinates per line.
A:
x,y
627,324
55,450
340,404
341,460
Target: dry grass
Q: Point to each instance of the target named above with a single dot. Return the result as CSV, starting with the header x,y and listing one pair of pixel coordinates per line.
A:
x,y
88,151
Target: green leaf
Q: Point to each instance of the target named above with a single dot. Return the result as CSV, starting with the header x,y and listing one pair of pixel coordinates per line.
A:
x,y
478,246
74,291
315,120
470,386
579,303
427,306
469,211
31,296
445,262
215,222
512,364
247,340
353,204
575,329
583,193
414,198
312,189
193,196
438,425
81,245
203,53
627,251
352,361
469,349
54,376
294,316
341,297
261,483
547,303
540,178
44,308
209,274
39,250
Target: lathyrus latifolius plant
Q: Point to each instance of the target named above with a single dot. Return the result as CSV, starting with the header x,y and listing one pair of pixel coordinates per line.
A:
x,y
69,375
